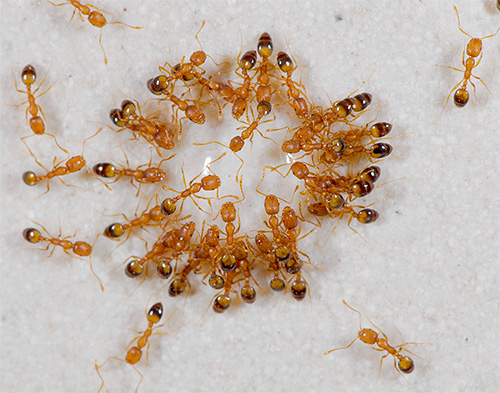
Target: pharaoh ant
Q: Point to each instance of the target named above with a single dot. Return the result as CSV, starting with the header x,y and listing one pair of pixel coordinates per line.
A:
x,y
264,49
281,251
473,50
159,85
206,183
368,336
234,250
37,125
78,248
71,165
154,131
298,103
95,18
242,93
189,71
176,240
237,143
134,354
151,174
168,206
149,216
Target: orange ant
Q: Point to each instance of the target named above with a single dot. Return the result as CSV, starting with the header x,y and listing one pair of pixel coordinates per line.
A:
x,y
159,85
246,63
155,214
335,205
28,77
237,143
281,252
134,354
148,175
298,103
473,49
206,183
78,248
176,240
368,336
72,165
154,131
95,18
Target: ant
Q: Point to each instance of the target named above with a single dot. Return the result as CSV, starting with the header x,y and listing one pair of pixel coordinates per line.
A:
x,y
176,240
335,205
37,125
237,143
95,18
159,85
298,103
71,165
207,183
148,175
78,248
246,63
134,354
473,49
154,131
404,365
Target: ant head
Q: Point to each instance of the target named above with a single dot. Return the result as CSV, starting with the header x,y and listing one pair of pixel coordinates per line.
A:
x,y
228,212
97,19
271,204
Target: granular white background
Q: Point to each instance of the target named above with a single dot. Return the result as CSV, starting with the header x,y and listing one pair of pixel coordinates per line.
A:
x,y
427,272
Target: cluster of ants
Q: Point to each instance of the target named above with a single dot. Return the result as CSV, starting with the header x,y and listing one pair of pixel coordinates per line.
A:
x,y
325,148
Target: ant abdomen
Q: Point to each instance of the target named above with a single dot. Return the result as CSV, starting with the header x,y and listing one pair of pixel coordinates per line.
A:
x,y
221,303
32,235
248,294
105,169
134,269
298,289
177,287
461,98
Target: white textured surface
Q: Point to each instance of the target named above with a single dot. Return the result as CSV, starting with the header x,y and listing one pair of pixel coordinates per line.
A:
x,y
431,274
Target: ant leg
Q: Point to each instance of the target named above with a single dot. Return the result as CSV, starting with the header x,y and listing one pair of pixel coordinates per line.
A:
x,y
480,80
97,367
381,361
448,98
